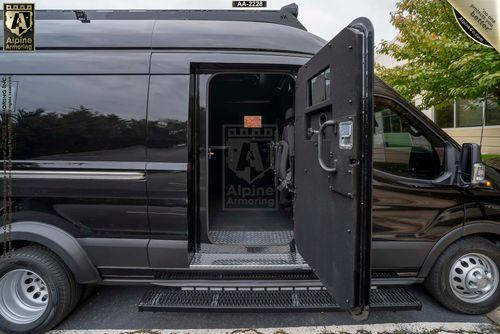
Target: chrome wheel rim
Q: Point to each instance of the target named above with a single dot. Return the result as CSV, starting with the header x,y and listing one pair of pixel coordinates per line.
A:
x,y
23,296
474,277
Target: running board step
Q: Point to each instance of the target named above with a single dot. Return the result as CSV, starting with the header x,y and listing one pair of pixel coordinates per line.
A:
x,y
276,299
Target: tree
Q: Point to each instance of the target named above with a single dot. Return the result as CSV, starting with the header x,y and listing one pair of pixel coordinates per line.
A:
x,y
438,61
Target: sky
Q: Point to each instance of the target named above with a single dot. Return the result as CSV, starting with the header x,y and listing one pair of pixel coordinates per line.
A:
x,y
324,18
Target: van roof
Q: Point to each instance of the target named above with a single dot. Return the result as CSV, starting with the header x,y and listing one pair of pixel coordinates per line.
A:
x,y
264,30
287,15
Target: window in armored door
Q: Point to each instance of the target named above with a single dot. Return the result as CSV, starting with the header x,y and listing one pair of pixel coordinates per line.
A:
x,y
402,146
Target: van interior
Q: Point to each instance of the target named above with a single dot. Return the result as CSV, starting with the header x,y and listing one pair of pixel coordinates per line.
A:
x,y
250,158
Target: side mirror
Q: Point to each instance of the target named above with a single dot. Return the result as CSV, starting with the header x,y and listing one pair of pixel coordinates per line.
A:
x,y
471,169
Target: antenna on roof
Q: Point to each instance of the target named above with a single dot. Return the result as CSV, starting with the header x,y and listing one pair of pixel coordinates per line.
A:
x,y
81,16
292,8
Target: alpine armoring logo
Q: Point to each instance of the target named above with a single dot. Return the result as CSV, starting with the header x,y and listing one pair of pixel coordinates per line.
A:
x,y
19,27
248,179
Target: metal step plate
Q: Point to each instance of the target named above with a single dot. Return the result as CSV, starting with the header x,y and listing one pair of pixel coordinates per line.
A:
x,y
218,261
251,238
262,299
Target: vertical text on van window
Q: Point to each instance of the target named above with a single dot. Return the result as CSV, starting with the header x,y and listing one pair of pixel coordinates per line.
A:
x,y
19,27
7,107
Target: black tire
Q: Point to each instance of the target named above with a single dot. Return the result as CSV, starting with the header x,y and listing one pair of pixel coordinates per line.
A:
x,y
438,281
64,292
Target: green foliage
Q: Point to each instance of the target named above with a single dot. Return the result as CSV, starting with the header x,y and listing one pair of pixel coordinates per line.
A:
x,y
438,61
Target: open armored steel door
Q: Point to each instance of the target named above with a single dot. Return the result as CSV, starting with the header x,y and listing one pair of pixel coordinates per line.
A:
x,y
333,164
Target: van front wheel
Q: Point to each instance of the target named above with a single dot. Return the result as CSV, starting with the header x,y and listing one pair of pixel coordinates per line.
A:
x,y
36,291
465,278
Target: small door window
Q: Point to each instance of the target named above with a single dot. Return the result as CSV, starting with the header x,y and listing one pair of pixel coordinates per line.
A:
x,y
402,146
319,87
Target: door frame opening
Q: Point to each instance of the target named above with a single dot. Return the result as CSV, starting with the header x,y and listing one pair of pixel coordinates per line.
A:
x,y
245,236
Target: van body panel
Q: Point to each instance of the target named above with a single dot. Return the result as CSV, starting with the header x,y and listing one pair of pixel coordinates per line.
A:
x,y
105,34
398,255
405,211
168,254
75,62
233,35
483,205
167,204
83,204
116,252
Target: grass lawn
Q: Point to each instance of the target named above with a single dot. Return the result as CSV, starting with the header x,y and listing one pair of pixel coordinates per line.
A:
x,y
492,160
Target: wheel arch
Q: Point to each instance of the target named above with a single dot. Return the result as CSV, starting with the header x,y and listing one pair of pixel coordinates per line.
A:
x,y
487,229
61,243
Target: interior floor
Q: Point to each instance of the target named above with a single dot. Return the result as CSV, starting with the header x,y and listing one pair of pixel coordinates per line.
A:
x,y
246,117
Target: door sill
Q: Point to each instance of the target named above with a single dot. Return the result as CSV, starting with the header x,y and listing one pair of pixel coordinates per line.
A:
x,y
251,280
248,261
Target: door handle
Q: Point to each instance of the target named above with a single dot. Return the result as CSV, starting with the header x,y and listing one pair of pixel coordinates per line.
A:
x,y
322,164
211,150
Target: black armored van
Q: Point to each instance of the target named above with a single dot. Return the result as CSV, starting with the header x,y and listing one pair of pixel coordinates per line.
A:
x,y
232,161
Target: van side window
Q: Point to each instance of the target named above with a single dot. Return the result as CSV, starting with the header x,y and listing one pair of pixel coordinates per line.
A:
x,y
80,117
168,118
402,146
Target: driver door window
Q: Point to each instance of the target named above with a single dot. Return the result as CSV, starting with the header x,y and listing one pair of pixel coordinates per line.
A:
x,y
402,146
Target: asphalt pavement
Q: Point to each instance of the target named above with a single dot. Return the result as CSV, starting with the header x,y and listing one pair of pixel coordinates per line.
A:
x,y
115,307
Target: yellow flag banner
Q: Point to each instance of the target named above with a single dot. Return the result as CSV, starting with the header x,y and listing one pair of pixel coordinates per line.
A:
x,y
480,20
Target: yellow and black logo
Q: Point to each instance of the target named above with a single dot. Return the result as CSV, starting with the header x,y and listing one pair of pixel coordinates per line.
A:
x,y
19,27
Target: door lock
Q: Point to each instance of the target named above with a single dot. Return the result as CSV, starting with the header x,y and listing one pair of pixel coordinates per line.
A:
x,y
211,150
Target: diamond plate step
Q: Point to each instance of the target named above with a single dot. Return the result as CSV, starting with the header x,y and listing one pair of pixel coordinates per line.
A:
x,y
218,261
275,299
251,238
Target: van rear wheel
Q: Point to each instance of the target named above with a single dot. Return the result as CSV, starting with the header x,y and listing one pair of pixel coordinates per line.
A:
x,y
466,278
36,291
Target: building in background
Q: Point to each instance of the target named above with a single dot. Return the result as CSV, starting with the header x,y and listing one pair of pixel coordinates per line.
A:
x,y
464,120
